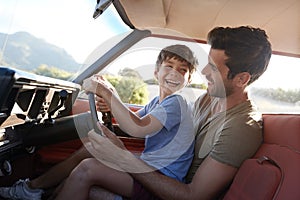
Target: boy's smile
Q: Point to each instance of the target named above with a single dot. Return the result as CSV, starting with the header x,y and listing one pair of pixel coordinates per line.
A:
x,y
172,76
172,83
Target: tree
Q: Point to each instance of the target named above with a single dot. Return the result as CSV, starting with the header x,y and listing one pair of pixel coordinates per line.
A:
x,y
130,89
128,72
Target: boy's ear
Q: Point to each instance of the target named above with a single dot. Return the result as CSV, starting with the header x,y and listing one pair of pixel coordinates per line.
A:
x,y
188,82
190,79
155,74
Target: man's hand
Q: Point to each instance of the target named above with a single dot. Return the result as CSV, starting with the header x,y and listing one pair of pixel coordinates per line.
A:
x,y
111,151
112,137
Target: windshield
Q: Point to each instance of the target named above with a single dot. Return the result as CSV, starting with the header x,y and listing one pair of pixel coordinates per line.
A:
x,y
53,37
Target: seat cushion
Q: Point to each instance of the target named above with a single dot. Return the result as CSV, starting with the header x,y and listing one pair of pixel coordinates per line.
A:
x,y
282,129
255,180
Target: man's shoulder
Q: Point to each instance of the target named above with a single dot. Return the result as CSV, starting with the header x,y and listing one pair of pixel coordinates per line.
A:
x,y
204,104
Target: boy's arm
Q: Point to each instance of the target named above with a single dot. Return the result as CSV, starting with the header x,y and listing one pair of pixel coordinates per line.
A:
x,y
128,121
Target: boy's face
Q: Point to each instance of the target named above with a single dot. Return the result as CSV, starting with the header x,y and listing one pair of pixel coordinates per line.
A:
x,y
172,76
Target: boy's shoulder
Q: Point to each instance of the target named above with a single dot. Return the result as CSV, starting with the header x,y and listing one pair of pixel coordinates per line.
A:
x,y
176,100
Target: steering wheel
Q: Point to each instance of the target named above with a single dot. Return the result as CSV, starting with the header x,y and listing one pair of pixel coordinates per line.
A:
x,y
94,113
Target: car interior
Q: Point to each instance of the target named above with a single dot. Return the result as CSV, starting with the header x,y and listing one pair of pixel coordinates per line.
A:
x,y
38,114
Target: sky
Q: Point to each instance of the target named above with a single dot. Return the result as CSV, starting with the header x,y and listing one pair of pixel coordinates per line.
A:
x,y
69,24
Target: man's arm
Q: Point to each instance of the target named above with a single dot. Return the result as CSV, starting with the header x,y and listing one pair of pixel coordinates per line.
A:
x,y
211,178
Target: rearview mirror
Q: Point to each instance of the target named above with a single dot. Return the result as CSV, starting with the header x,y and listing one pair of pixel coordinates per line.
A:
x,y
100,7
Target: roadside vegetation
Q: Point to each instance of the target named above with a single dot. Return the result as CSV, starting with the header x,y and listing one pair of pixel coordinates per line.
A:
x,y
52,72
278,94
133,89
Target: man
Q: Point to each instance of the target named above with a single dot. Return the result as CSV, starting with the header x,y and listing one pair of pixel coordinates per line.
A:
x,y
228,131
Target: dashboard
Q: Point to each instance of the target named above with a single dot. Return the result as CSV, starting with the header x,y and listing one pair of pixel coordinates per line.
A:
x,y
30,105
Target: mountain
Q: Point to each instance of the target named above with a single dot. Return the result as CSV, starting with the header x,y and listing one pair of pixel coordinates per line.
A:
x,y
25,51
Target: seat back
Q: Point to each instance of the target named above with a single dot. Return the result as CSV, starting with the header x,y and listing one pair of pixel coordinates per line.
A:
x,y
274,171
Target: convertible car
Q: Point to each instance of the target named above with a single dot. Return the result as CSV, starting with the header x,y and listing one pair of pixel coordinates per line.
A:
x,y
39,115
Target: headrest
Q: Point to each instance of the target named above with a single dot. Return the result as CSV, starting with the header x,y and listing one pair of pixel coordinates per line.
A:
x,y
282,129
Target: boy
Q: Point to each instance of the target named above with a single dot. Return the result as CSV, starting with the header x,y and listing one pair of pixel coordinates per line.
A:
x,y
166,123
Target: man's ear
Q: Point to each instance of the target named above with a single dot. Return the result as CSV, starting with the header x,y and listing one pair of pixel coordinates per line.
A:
x,y
242,79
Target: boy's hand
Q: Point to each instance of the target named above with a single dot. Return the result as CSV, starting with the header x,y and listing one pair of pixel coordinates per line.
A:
x,y
98,84
90,85
101,105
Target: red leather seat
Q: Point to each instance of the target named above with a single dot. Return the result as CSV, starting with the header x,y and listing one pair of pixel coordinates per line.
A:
x,y
274,172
